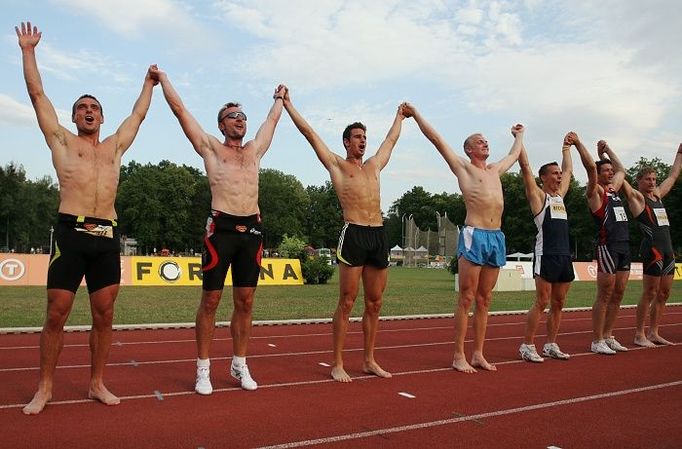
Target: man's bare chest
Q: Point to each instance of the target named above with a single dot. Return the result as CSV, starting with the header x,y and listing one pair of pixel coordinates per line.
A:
x,y
87,159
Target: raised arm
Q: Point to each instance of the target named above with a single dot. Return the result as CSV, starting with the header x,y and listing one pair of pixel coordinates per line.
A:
x,y
665,186
591,191
455,162
194,132
566,168
506,162
534,194
47,116
634,197
264,135
618,168
383,154
125,134
328,159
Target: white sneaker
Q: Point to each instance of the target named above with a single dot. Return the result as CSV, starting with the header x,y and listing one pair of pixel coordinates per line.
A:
x,y
612,343
600,347
203,384
530,354
241,373
552,350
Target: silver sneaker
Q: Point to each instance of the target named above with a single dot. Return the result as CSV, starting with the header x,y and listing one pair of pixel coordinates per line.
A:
x,y
552,350
530,354
241,373
600,347
203,383
612,343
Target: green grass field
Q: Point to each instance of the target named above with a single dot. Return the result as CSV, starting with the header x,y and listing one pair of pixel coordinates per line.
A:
x,y
410,291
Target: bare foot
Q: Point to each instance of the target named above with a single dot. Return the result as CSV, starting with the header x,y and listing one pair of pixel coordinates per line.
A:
x,y
103,395
463,366
657,339
374,368
340,375
479,362
38,403
643,342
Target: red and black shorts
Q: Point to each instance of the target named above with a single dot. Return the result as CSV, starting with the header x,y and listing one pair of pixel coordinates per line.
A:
x,y
84,246
363,245
656,262
232,241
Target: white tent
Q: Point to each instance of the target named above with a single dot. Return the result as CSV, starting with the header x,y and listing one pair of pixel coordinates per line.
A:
x,y
520,256
397,253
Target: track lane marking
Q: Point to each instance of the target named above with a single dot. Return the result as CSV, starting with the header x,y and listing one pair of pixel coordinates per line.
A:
x,y
300,383
326,351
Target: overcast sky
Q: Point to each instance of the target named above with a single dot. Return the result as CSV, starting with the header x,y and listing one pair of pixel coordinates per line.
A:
x,y
607,69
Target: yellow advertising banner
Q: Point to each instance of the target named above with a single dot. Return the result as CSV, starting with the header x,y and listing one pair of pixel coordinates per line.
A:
x,y
678,271
31,269
187,271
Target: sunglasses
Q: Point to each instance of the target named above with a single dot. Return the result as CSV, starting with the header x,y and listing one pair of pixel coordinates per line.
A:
x,y
234,115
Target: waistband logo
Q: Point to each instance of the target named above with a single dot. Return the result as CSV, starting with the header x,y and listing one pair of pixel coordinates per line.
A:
x,y
241,228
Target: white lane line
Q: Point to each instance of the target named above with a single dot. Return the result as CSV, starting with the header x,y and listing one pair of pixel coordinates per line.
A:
x,y
272,345
406,395
299,383
158,395
479,416
410,329
326,351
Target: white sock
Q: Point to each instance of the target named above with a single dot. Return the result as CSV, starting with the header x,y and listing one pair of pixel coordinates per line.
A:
x,y
203,363
238,361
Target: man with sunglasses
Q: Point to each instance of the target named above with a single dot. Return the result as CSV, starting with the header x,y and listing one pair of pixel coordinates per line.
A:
x,y
363,250
86,242
233,229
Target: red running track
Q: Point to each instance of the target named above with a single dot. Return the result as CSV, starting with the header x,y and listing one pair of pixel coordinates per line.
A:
x,y
630,400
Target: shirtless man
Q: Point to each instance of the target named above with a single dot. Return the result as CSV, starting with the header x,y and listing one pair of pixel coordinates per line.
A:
x,y
658,260
552,265
86,237
481,249
233,229
604,180
363,250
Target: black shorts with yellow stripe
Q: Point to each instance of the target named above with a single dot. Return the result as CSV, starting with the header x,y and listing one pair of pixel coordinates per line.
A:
x,y
363,245
84,246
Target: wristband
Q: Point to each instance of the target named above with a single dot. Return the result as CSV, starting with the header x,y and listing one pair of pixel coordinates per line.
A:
x,y
279,98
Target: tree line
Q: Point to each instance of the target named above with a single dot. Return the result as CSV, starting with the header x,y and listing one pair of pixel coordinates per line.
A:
x,y
165,205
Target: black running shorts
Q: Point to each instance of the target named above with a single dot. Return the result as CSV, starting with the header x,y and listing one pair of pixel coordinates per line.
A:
x,y
553,268
232,241
363,245
84,246
655,262
613,257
